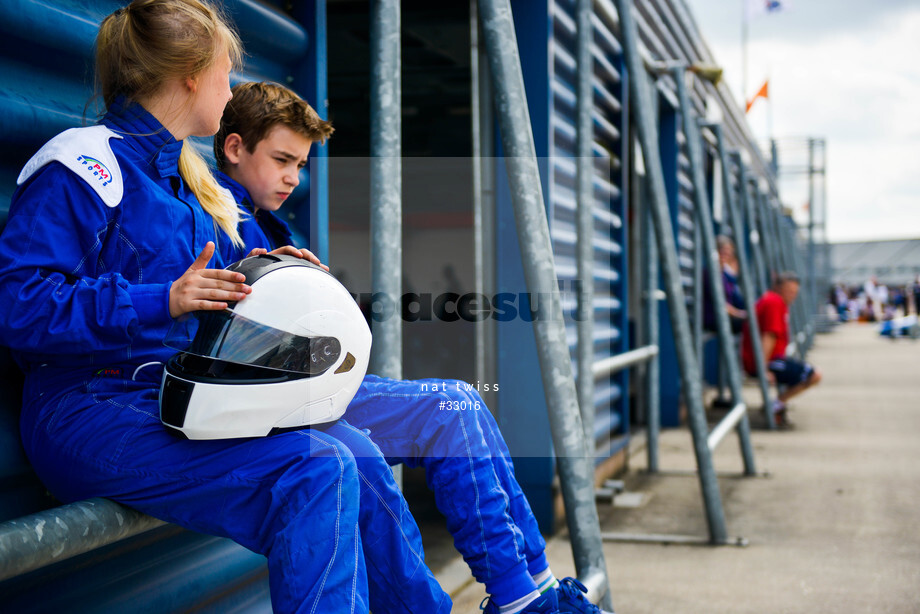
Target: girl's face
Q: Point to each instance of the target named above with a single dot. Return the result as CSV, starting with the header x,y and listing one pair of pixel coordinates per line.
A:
x,y
211,95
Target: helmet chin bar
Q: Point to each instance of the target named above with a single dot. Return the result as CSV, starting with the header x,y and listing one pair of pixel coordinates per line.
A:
x,y
255,411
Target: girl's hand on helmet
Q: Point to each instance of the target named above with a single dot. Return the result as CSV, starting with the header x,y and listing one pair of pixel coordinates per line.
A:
x,y
290,250
201,288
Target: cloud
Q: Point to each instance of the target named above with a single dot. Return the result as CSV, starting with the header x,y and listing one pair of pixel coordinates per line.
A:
x,y
720,21
852,78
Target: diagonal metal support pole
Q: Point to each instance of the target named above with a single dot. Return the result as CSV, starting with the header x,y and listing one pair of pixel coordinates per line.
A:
x,y
641,95
747,285
575,463
716,289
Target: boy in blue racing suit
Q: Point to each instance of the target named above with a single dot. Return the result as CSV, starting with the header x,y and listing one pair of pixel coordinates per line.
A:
x,y
263,143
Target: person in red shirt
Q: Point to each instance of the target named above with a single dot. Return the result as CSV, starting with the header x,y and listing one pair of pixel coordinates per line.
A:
x,y
793,376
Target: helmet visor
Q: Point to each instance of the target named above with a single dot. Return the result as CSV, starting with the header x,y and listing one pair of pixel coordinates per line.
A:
x,y
225,335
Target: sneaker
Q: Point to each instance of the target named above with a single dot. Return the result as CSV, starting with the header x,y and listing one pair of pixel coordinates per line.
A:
x,y
780,417
544,604
573,600
782,421
778,406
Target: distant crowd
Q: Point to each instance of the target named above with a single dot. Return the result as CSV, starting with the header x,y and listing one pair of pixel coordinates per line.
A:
x,y
874,301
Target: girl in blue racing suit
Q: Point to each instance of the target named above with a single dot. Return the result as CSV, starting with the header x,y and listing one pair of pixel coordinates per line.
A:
x,y
110,237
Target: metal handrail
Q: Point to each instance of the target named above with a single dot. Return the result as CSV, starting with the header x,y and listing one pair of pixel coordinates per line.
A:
x,y
615,364
725,426
38,540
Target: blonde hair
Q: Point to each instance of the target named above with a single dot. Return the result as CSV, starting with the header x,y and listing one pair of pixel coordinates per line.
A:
x,y
145,44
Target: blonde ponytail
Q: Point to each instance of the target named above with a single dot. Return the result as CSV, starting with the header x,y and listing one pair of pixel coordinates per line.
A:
x,y
214,199
143,45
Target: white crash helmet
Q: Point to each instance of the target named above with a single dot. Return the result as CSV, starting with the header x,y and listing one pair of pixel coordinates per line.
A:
x,y
290,354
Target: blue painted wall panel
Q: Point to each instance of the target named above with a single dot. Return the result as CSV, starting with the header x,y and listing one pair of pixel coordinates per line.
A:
x,y
521,403
669,369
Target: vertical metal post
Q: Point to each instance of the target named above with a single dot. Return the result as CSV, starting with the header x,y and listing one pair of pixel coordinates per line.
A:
x,y
709,248
640,91
386,183
311,80
784,261
651,295
756,238
483,201
771,241
386,188
792,261
697,288
584,140
478,271
812,282
747,285
789,261
576,469
828,269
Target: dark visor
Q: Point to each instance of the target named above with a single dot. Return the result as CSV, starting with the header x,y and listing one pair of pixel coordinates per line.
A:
x,y
227,336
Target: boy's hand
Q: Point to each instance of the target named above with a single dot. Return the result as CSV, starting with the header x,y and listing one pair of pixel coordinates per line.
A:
x,y
290,250
201,288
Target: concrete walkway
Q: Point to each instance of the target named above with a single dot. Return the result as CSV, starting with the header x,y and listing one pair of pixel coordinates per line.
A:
x,y
833,527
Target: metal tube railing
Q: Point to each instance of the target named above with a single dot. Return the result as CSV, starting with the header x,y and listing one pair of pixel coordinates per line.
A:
x,y
735,416
576,470
615,364
53,535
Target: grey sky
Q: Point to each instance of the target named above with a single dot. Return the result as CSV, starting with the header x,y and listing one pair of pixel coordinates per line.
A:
x,y
846,71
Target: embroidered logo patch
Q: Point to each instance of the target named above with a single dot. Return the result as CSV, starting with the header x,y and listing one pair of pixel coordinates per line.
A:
x,y
109,372
97,168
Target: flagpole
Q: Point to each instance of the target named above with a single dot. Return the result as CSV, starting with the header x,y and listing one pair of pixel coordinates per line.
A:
x,y
744,38
769,111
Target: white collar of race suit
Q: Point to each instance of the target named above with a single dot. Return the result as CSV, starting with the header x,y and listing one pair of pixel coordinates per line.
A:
x,y
87,152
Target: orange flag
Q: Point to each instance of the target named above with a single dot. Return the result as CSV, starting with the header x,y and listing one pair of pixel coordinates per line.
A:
x,y
761,93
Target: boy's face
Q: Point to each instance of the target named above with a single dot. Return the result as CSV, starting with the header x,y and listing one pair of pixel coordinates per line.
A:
x,y
271,171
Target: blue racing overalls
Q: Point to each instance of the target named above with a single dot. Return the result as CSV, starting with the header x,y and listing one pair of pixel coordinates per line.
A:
x,y
99,228
445,427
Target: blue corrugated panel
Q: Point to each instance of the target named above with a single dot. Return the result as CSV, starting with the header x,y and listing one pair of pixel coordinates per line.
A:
x,y
610,263
522,411
667,359
45,82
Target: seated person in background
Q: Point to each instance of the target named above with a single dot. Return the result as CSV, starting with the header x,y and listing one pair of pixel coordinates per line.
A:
x,y
773,318
264,141
734,299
